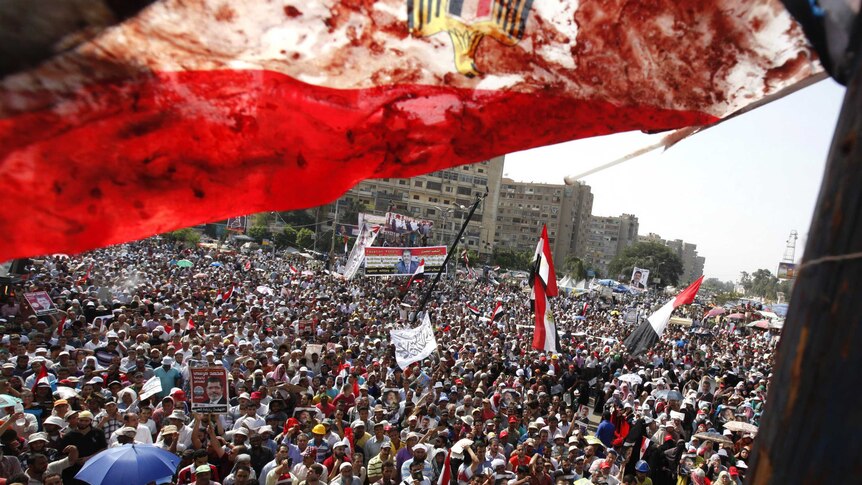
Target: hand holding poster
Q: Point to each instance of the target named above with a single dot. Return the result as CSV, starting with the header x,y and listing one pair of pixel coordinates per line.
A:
x,y
150,388
413,344
209,389
639,278
380,261
40,302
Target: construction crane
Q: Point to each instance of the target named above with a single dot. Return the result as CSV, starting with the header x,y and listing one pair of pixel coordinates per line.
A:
x,y
790,250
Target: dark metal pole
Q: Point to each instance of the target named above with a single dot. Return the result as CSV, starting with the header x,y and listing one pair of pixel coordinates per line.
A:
x,y
449,255
810,430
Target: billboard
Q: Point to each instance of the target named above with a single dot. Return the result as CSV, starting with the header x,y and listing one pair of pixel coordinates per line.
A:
x,y
786,271
237,224
384,261
41,303
639,278
209,390
401,224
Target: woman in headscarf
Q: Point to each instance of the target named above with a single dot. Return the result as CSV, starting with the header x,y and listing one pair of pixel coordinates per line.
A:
x,y
698,477
128,400
241,460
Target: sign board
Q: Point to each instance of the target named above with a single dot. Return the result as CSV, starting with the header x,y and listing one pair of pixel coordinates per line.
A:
x,y
786,271
313,349
209,390
639,278
41,303
150,388
385,261
682,322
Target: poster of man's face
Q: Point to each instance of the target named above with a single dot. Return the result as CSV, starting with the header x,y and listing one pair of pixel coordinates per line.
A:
x,y
215,391
639,278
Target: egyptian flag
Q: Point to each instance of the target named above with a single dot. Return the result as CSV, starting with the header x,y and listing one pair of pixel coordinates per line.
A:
x,y
543,279
84,279
498,312
223,297
293,270
466,258
201,101
475,311
446,473
650,331
43,374
418,274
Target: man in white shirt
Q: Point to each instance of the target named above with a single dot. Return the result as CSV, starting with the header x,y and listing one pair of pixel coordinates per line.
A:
x,y
142,433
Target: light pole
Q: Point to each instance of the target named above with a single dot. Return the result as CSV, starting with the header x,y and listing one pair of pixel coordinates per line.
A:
x,y
445,213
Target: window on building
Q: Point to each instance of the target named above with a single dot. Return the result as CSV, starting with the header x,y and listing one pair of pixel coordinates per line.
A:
x,y
433,185
415,197
417,183
402,182
464,191
448,189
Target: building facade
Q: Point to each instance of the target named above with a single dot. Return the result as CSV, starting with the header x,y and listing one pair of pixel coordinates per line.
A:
x,y
692,264
607,237
444,197
523,208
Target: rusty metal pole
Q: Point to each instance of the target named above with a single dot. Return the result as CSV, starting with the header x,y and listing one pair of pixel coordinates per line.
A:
x,y
810,431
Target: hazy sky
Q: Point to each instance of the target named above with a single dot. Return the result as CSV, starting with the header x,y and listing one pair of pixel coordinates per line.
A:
x,y
735,190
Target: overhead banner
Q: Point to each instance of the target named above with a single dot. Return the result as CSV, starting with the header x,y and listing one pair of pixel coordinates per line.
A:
x,y
382,261
413,344
41,303
237,224
639,278
367,235
401,224
786,271
371,220
209,389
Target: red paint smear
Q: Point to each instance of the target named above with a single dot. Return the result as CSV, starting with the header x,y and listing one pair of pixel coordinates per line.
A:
x,y
483,9
131,159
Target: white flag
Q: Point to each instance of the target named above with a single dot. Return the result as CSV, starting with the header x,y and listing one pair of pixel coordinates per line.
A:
x,y
413,344
357,255
152,386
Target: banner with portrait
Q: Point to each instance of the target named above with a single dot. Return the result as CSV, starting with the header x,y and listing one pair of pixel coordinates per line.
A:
x,y
413,344
386,261
786,271
41,303
639,278
401,224
209,389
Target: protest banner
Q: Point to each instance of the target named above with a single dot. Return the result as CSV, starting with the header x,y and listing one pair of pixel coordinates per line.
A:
x,y
311,349
150,388
209,388
413,344
40,303
367,235
639,278
384,261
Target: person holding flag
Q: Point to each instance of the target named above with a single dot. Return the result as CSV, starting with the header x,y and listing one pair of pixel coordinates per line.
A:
x,y
543,280
650,331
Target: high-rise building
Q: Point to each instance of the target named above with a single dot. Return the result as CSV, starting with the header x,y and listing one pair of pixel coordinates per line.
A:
x,y
523,207
692,264
443,197
607,237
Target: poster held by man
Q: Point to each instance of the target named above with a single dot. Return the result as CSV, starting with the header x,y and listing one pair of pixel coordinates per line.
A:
x,y
209,389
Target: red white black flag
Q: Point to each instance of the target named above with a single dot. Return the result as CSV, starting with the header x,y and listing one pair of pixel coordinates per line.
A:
x,y
650,331
543,279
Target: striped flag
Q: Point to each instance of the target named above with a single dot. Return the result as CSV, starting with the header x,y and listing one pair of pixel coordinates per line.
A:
x,y
543,279
418,274
201,101
446,473
498,312
475,311
650,331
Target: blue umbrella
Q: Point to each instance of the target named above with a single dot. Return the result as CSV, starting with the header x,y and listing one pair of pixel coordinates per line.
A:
x,y
129,465
216,264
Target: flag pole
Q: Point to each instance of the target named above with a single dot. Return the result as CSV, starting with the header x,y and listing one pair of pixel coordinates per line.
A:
x,y
452,248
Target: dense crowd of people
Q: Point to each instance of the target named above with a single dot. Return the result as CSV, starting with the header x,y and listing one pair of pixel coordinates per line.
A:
x,y
315,394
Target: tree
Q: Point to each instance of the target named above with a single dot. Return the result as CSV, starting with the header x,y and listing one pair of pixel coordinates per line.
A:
x,y
187,236
263,219
511,259
663,263
305,238
349,211
717,286
259,233
575,267
297,218
285,238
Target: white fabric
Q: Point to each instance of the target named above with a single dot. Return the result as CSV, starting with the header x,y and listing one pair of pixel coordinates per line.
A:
x,y
413,344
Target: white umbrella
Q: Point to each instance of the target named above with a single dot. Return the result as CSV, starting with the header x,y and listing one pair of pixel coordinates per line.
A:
x,y
7,401
633,379
265,290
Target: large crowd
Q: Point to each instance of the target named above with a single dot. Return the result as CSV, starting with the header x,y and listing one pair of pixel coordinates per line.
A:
x,y
316,396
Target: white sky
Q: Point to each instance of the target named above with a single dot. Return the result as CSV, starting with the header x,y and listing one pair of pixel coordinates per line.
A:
x,y
735,190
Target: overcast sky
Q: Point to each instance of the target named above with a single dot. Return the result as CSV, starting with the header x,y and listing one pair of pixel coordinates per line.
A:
x,y
736,190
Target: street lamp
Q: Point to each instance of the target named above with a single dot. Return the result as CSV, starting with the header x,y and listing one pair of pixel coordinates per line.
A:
x,y
445,213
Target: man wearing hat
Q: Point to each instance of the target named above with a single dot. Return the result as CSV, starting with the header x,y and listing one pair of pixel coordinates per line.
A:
x,y
88,440
375,464
199,465
420,456
168,376
339,455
